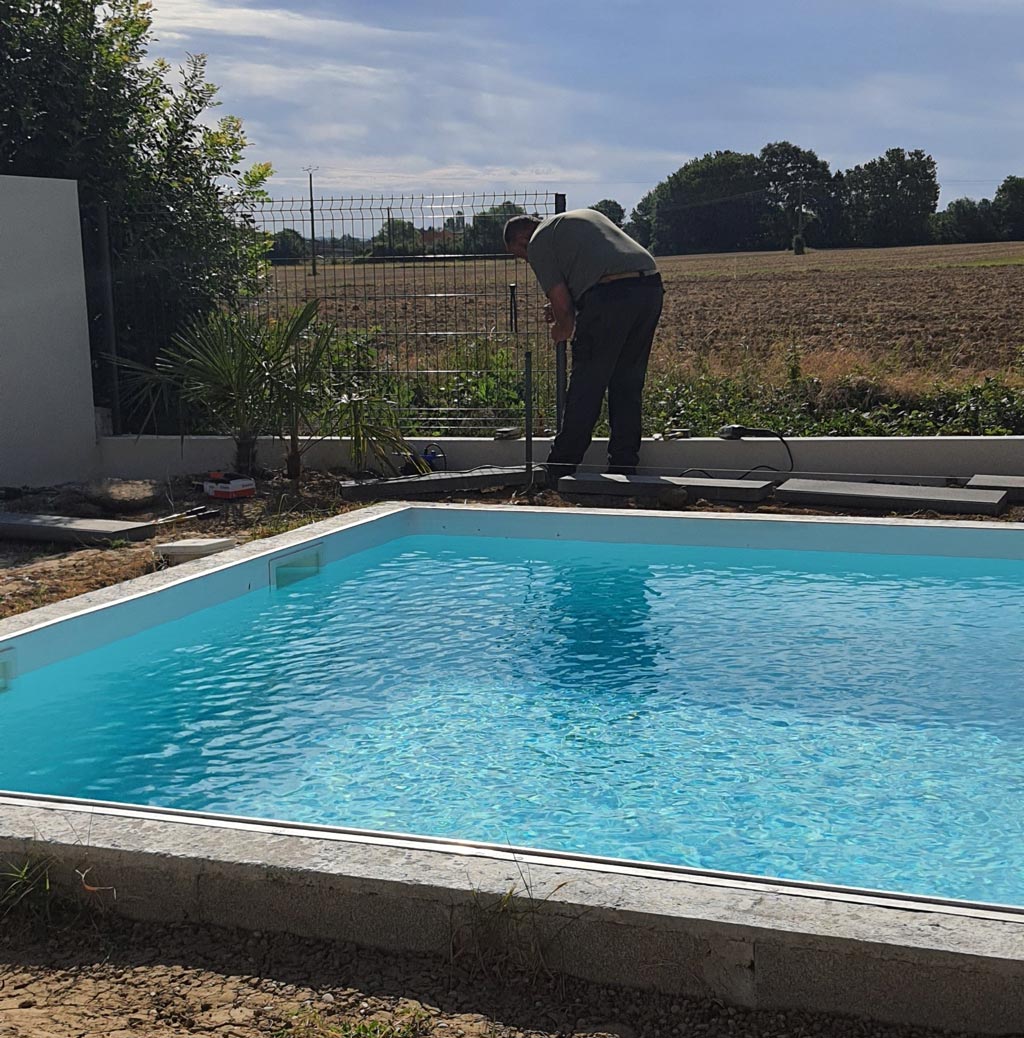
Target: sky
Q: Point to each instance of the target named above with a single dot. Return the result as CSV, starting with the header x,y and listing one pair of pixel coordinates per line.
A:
x,y
603,99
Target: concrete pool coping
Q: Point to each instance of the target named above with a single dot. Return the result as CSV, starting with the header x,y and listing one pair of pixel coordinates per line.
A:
x,y
749,942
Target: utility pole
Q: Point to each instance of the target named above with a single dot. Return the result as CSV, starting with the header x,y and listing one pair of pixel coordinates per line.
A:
x,y
798,238
312,219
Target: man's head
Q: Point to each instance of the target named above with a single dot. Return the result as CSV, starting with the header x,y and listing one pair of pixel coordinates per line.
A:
x,y
518,232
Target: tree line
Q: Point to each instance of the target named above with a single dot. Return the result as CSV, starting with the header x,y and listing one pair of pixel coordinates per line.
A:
x,y
726,201
478,234
787,197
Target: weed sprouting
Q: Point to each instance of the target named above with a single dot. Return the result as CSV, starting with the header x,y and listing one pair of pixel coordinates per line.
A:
x,y
25,887
513,933
311,1023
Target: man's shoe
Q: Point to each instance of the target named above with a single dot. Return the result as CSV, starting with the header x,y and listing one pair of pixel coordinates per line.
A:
x,y
555,471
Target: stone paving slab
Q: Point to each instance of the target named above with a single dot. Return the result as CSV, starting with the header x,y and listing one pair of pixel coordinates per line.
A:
x,y
952,500
1013,485
657,486
403,487
27,526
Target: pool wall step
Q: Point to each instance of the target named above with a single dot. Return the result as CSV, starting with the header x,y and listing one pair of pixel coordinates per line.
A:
x,y
403,487
755,945
1013,485
950,500
696,489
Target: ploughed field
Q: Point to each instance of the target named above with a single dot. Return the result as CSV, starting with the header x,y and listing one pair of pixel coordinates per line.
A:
x,y
951,312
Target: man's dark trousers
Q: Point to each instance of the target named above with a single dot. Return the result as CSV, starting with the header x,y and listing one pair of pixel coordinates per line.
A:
x,y
615,326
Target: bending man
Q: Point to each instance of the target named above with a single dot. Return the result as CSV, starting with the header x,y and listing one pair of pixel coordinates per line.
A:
x,y
604,293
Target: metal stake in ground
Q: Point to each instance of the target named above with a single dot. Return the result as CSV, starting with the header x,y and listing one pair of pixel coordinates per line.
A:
x,y
528,418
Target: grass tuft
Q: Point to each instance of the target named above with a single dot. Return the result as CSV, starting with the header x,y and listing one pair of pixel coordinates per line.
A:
x,y
311,1023
25,887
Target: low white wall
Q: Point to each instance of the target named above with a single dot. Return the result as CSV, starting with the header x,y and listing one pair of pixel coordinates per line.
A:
x,y
47,425
159,457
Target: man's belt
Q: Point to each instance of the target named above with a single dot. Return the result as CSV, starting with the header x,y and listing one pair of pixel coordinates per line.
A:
x,y
629,274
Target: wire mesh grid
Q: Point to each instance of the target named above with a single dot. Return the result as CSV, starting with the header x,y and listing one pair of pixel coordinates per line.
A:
x,y
433,315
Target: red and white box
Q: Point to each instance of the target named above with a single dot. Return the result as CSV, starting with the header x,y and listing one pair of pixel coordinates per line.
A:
x,y
228,485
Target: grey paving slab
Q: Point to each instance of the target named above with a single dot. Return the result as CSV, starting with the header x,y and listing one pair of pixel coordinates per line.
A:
x,y
656,486
1013,485
26,526
952,500
404,487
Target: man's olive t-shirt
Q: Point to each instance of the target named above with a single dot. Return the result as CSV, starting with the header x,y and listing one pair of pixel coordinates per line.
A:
x,y
580,247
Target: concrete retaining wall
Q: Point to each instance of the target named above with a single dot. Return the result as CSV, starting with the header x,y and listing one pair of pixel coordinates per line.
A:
x,y
158,457
47,424
757,946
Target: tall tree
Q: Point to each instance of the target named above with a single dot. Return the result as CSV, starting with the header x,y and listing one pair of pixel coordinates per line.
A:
x,y
610,208
82,100
712,204
891,199
798,193
485,235
965,220
640,225
288,245
1008,205
396,237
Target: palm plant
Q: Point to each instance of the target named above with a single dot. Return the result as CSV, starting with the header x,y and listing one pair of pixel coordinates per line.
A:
x,y
244,375
302,400
374,437
221,369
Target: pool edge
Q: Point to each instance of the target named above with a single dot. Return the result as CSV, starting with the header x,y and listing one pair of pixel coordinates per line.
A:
x,y
753,945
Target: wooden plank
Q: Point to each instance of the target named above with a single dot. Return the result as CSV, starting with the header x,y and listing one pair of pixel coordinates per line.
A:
x,y
1013,485
484,478
28,526
890,496
657,486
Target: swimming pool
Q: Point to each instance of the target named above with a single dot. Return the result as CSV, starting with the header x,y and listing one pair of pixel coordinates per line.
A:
x,y
829,701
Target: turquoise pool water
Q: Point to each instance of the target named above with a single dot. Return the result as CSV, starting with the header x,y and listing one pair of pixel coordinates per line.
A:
x,y
843,718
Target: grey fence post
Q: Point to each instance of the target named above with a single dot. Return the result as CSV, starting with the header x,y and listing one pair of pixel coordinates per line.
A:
x,y
528,420
561,360
561,383
108,331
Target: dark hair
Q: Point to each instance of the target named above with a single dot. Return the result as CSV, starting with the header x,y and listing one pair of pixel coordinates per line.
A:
x,y
520,225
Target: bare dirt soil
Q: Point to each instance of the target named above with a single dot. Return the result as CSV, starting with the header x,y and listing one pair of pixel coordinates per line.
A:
x,y
949,311
33,574
91,975
105,976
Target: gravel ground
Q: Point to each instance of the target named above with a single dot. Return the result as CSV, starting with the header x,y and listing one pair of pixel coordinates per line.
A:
x,y
91,976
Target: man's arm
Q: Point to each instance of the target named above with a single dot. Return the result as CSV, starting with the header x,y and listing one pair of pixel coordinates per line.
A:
x,y
563,313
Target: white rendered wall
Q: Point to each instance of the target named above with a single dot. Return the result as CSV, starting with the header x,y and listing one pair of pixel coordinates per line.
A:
x,y
47,423
160,457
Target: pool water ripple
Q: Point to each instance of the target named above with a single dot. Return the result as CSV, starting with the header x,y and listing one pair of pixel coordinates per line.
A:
x,y
841,718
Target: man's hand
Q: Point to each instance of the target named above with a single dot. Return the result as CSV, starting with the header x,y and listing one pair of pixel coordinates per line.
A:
x,y
561,331
560,312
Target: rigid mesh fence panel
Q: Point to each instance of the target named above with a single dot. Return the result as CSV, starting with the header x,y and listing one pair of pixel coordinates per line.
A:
x,y
434,316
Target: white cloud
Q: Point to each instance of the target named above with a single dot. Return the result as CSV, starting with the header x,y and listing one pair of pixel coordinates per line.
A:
x,y
890,101
445,107
189,18
264,79
969,7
